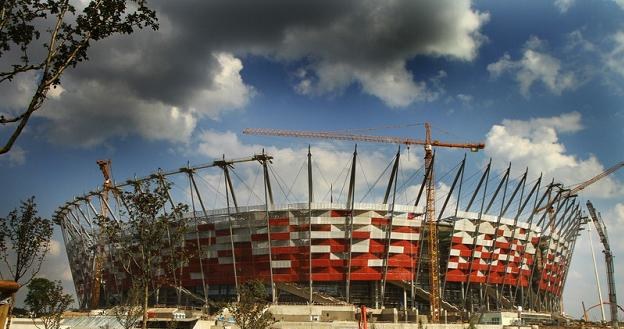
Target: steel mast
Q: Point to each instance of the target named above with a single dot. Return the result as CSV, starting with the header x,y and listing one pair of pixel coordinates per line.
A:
x,y
432,237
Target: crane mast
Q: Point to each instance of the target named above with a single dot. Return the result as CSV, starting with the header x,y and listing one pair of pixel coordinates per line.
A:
x,y
99,248
601,228
428,143
432,238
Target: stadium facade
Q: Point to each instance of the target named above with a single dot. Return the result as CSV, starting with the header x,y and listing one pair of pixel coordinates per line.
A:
x,y
360,253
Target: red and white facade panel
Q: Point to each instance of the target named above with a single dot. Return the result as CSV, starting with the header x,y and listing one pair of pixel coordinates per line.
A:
x,y
300,237
493,250
295,243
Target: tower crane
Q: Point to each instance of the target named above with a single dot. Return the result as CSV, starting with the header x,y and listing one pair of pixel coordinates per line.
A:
x,y
99,249
601,228
428,143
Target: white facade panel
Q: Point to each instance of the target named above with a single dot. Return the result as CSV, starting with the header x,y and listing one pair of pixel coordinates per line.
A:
x,y
375,262
281,264
321,249
225,260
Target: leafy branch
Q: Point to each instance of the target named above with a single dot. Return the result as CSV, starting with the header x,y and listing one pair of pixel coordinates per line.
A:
x,y
150,242
70,36
46,301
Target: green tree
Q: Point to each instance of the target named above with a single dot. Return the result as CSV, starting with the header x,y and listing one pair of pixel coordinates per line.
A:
x,y
150,242
252,310
24,243
45,37
128,311
47,301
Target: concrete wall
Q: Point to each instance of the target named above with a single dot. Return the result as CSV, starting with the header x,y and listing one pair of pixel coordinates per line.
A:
x,y
304,313
25,323
204,324
354,325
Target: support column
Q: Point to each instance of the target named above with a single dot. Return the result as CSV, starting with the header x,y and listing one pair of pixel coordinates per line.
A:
x,y
536,205
515,226
349,226
228,187
545,224
485,177
310,200
404,305
376,283
161,181
460,173
193,187
501,214
391,183
268,197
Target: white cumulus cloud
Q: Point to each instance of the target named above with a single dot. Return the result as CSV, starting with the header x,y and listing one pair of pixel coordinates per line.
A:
x,y
614,220
614,59
535,143
373,57
564,5
227,92
16,157
17,94
330,168
89,112
160,85
536,65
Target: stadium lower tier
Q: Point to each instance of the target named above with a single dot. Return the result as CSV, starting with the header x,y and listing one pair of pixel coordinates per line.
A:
x,y
375,254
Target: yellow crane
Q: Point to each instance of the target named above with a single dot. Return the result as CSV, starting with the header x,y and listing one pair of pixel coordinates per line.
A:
x,y
99,251
428,143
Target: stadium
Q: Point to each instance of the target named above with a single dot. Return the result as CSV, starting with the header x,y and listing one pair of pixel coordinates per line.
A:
x,y
506,243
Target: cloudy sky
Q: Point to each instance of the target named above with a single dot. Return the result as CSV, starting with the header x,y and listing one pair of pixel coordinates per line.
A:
x,y
540,82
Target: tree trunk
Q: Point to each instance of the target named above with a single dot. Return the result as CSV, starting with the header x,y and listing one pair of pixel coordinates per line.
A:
x,y
145,297
10,311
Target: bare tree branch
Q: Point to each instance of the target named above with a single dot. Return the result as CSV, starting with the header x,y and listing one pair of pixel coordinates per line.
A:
x,y
17,69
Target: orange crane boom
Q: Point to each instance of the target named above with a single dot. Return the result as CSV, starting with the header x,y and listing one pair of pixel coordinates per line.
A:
x,y
434,267
363,138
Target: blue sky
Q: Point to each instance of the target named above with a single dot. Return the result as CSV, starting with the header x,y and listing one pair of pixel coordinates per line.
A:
x,y
540,82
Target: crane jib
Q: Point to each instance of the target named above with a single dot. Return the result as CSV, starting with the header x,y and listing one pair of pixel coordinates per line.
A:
x,y
355,137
